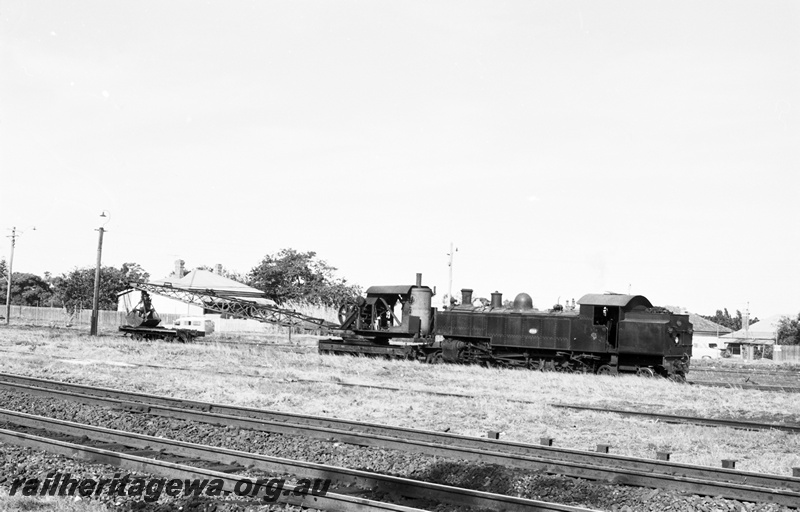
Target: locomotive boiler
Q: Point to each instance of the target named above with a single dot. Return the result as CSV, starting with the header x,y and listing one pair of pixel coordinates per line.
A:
x,y
606,334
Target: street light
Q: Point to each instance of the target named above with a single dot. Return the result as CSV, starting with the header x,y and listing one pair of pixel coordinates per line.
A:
x,y
96,300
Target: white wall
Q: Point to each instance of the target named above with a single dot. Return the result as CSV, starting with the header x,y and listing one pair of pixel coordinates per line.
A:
x,y
163,305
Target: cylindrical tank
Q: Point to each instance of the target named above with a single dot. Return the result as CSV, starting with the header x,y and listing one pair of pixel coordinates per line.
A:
x,y
466,297
421,297
497,300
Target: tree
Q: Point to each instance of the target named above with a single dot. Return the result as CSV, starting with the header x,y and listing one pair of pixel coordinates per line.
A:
x,y
299,276
724,319
134,272
789,331
26,289
76,289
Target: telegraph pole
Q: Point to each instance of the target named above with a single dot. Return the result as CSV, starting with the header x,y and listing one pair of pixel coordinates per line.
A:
x,y
10,271
96,300
450,282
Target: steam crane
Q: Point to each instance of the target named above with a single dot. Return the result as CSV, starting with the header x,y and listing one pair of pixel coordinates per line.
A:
x,y
240,304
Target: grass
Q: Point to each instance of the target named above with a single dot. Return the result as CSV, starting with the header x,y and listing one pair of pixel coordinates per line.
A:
x,y
277,382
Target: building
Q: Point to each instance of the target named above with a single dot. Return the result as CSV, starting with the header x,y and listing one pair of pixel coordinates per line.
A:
x,y
169,308
749,341
703,328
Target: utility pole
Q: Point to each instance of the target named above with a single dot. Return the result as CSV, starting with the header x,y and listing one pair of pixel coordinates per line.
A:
x,y
450,281
10,273
746,321
96,300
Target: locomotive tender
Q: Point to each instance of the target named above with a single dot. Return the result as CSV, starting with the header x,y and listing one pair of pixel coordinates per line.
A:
x,y
607,334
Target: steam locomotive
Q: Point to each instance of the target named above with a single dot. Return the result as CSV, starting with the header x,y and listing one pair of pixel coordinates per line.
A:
x,y
607,334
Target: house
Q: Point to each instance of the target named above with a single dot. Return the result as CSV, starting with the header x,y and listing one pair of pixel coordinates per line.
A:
x,y
703,330
169,308
758,335
706,341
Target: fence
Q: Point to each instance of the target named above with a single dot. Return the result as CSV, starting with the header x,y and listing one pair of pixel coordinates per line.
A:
x,y
58,317
786,353
111,320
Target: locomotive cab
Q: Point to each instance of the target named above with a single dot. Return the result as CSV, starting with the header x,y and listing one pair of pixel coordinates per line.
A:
x,y
642,337
377,315
607,316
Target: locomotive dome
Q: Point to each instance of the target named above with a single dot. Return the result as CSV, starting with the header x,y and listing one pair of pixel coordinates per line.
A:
x,y
523,301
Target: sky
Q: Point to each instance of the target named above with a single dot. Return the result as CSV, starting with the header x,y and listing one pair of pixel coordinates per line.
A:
x,y
563,147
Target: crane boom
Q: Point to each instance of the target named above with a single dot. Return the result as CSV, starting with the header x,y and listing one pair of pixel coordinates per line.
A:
x,y
236,303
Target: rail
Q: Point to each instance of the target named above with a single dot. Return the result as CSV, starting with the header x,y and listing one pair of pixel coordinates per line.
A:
x,y
365,480
694,420
735,385
734,484
330,502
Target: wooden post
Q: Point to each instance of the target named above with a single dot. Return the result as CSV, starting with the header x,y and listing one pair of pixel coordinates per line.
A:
x,y
96,298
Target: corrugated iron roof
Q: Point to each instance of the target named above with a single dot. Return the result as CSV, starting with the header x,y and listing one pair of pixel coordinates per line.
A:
x,y
200,280
765,329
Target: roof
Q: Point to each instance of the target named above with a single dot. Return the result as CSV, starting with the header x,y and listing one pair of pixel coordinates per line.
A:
x,y
199,280
700,324
403,289
764,330
609,299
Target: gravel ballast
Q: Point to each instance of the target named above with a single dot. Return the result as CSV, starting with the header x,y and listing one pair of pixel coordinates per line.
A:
x,y
490,478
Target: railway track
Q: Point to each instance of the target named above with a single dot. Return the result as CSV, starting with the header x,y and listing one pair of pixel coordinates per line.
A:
x,y
788,373
732,385
728,483
125,450
736,385
693,420
282,346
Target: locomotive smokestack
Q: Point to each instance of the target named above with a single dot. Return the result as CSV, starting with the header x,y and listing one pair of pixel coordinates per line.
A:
x,y
419,279
466,296
497,300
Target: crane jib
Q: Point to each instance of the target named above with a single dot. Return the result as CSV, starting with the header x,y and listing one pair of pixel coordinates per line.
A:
x,y
237,304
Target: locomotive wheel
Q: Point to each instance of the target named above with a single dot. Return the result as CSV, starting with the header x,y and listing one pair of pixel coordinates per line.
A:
x,y
564,368
435,358
605,370
537,365
136,337
645,372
